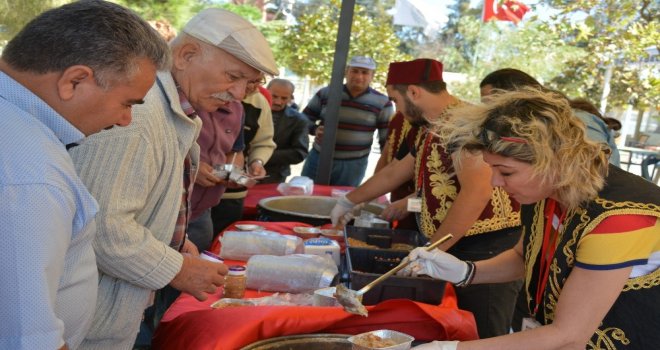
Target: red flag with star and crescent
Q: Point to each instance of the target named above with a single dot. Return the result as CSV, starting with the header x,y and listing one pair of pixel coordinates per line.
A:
x,y
508,10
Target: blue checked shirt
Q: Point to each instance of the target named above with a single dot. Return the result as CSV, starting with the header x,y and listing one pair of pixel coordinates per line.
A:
x,y
48,276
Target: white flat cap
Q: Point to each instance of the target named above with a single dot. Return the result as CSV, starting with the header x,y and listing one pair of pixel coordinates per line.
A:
x,y
362,62
235,35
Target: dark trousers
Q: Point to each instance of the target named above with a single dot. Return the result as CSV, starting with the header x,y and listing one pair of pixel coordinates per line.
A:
x,y
491,304
521,311
226,213
200,231
153,314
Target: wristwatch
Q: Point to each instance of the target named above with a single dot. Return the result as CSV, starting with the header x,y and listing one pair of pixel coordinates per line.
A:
x,y
261,162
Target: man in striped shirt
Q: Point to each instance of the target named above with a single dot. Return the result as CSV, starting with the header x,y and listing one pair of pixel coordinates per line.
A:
x,y
363,110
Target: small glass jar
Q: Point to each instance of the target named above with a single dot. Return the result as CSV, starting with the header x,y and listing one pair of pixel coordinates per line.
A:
x,y
210,256
235,282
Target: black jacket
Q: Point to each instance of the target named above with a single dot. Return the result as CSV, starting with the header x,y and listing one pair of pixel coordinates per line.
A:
x,y
290,136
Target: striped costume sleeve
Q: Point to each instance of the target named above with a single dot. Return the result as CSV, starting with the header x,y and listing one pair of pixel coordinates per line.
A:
x,y
620,241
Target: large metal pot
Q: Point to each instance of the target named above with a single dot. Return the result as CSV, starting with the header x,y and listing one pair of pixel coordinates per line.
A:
x,y
303,342
313,210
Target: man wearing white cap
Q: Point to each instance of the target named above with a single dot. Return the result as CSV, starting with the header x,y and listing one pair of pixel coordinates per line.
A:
x,y
363,110
141,175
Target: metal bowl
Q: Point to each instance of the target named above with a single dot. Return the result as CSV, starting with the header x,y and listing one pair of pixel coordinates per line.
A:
x,y
313,210
303,342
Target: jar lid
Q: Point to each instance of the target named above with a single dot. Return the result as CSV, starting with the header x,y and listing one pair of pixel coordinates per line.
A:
x,y
209,256
236,270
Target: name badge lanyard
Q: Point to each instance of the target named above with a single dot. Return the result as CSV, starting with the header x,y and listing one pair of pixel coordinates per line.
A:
x,y
548,250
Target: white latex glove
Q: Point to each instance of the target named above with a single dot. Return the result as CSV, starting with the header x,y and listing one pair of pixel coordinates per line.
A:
x,y
342,212
437,264
438,345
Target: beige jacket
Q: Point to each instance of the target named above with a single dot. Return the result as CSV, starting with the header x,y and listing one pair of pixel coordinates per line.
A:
x,y
136,175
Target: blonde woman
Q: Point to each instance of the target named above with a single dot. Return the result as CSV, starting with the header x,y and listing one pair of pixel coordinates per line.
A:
x,y
590,249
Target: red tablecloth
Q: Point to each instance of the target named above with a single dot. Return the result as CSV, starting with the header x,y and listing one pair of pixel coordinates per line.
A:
x,y
190,324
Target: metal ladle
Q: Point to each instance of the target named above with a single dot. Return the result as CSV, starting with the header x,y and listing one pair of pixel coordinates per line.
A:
x,y
352,300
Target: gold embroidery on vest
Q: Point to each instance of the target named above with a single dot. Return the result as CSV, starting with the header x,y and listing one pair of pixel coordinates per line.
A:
x,y
605,341
643,282
391,143
503,214
653,208
556,282
568,250
443,188
534,246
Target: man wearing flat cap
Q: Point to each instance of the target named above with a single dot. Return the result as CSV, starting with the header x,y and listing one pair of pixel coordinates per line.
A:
x,y
483,219
363,110
141,175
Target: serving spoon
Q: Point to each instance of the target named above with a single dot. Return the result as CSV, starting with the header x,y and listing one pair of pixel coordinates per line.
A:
x,y
352,300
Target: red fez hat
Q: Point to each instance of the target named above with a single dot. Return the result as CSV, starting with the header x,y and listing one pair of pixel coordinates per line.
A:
x,y
414,72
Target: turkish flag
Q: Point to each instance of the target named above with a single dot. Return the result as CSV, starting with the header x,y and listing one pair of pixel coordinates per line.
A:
x,y
508,10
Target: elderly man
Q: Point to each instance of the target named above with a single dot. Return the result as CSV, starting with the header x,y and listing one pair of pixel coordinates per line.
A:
x,y
362,111
65,76
483,220
142,175
290,136
259,146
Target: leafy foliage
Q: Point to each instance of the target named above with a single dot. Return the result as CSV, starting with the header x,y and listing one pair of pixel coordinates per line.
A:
x,y
307,48
177,12
14,15
616,34
476,49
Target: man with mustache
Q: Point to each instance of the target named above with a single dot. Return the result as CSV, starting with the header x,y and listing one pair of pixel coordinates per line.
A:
x,y
142,175
483,219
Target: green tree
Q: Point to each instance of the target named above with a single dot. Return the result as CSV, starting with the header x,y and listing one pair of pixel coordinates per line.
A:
x,y
475,49
177,12
617,35
15,14
307,48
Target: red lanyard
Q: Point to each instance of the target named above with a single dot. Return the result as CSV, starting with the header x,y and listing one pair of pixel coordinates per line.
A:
x,y
422,163
547,250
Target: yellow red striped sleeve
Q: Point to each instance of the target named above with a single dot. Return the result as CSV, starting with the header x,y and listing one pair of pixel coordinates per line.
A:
x,y
620,241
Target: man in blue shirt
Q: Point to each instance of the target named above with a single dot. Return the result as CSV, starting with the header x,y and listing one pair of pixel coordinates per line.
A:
x,y
66,75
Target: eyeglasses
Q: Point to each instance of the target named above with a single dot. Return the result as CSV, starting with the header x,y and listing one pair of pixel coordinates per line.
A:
x,y
257,82
488,136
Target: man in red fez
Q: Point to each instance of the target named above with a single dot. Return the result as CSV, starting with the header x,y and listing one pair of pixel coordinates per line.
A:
x,y
483,220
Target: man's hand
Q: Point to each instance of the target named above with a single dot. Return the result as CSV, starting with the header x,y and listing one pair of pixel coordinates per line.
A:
x,y
437,264
189,248
318,134
438,345
396,211
205,176
198,277
256,168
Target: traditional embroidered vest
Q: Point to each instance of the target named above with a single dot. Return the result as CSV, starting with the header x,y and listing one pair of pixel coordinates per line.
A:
x,y
397,129
436,178
633,322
